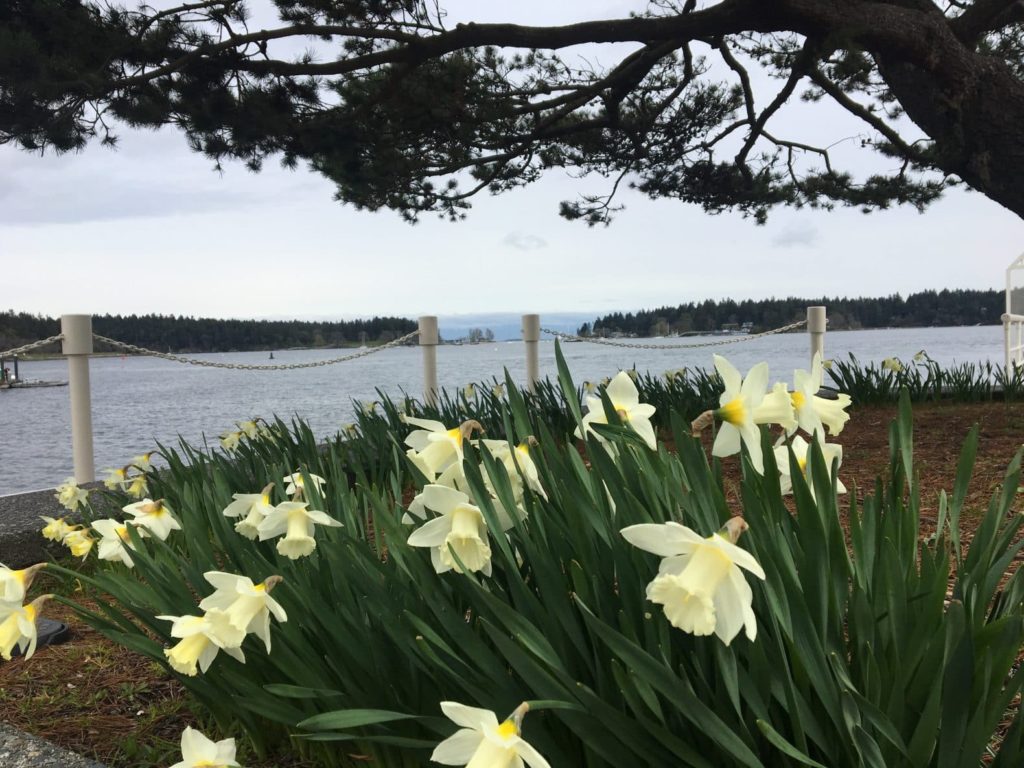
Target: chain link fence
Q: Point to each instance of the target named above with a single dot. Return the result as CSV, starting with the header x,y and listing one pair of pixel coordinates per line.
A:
x,y
699,345
247,367
33,345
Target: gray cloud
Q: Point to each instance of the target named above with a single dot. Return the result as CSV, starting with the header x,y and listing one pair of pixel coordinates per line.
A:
x,y
524,241
796,235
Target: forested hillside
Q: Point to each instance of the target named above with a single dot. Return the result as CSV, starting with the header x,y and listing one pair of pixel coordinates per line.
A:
x,y
928,308
203,334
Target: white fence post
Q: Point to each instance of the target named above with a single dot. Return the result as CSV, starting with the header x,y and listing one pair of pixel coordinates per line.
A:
x,y
816,331
77,347
428,343
531,336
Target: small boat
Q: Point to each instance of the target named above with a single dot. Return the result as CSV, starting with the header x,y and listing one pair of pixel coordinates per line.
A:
x,y
30,384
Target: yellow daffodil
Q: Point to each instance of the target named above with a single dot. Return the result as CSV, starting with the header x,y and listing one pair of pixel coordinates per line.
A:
x,y
832,452
56,529
115,541
79,542
589,387
483,742
920,356
814,413
70,495
460,529
294,483
18,628
892,364
368,409
743,405
116,478
699,582
469,392
297,524
229,441
201,638
248,606
498,390
254,507
626,401
14,584
155,516
350,429
137,487
250,428
197,751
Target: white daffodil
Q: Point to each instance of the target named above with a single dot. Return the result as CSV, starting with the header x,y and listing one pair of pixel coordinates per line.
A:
x,y
155,516
453,477
625,401
143,462
832,452
437,446
460,529
516,460
116,478
56,528
14,584
590,387
483,742
417,459
79,542
18,628
295,483
743,405
229,441
498,390
115,541
197,751
248,606
201,638
296,522
70,495
814,413
699,582
253,508
777,408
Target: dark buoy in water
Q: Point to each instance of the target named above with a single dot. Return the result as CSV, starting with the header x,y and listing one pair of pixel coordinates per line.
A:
x,y
271,355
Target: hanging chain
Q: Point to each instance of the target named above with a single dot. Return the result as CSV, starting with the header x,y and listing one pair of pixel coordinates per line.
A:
x,y
247,367
722,342
33,345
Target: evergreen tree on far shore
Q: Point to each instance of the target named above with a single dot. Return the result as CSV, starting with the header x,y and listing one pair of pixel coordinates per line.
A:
x,y
203,334
917,310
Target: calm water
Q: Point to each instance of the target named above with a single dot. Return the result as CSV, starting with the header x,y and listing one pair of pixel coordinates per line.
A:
x,y
137,401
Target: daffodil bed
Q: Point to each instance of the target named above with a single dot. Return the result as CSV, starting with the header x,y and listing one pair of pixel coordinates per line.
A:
x,y
607,605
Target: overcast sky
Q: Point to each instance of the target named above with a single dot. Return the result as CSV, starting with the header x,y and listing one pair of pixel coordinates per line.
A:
x,y
151,227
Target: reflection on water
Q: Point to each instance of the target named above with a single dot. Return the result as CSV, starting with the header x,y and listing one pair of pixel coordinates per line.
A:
x,y
138,401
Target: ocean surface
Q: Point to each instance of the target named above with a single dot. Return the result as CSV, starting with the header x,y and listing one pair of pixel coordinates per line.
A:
x,y
137,401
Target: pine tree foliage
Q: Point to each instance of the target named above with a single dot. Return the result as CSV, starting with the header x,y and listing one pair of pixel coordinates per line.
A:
x,y
403,109
177,333
917,310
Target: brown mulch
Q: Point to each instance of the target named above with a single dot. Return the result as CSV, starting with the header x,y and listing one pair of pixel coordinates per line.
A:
x,y
95,698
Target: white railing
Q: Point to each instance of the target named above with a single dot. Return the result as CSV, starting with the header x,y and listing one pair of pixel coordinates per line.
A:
x,y
77,338
1013,341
